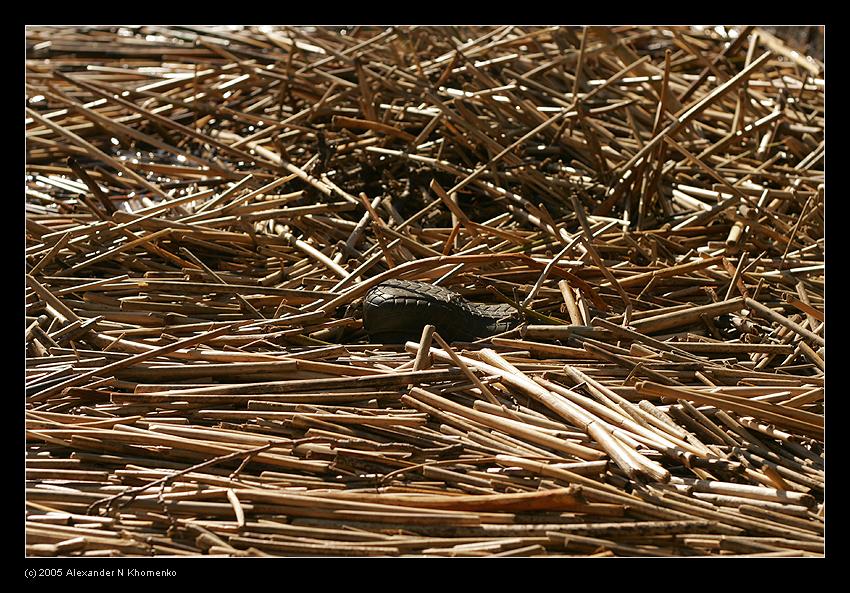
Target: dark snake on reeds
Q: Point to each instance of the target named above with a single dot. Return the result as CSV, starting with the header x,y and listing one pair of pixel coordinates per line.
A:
x,y
395,311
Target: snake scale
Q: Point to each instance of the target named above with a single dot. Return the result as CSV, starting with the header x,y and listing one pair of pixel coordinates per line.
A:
x,y
395,311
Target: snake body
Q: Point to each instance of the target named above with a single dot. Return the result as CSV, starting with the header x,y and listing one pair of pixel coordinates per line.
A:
x,y
397,310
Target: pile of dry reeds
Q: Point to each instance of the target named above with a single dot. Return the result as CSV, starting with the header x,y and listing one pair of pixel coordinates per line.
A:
x,y
207,206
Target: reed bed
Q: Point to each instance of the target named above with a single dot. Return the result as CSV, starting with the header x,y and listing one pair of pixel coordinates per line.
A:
x,y
207,206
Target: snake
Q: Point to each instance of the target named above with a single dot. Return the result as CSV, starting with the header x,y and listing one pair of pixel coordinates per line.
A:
x,y
395,311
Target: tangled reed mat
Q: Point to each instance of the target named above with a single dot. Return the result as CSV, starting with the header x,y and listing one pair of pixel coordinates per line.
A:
x,y
207,206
